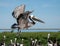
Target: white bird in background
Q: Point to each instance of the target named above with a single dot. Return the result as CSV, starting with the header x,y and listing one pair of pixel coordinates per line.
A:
x,y
11,41
24,19
50,43
48,35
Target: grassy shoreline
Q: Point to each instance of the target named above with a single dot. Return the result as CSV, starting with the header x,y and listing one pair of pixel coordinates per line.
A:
x,y
27,35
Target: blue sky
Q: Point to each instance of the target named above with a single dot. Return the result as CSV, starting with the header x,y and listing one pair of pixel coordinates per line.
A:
x,y
46,10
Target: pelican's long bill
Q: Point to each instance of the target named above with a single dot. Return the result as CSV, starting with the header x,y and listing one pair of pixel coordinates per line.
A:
x,y
37,19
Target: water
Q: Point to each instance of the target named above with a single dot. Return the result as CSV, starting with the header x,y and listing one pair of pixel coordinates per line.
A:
x,y
40,30
31,30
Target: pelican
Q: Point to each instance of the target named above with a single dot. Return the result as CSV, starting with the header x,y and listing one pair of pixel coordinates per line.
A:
x,y
24,18
50,42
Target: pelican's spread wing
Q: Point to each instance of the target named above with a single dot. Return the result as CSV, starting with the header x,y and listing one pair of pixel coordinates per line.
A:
x,y
37,19
18,10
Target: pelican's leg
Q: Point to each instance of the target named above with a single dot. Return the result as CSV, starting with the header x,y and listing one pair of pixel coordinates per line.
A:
x,y
18,29
13,27
12,30
17,32
20,33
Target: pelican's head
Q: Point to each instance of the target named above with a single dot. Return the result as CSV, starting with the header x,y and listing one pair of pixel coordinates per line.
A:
x,y
32,16
36,19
